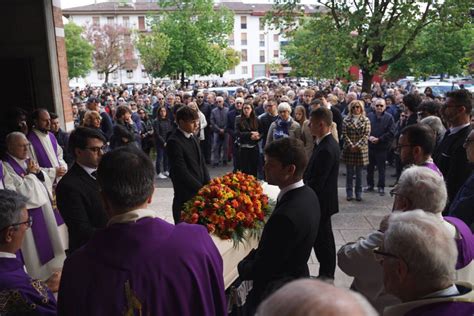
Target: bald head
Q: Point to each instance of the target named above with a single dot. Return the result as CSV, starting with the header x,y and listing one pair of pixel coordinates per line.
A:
x,y
17,145
312,297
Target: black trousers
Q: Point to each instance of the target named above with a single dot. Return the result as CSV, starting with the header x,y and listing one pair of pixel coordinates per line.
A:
x,y
325,249
376,158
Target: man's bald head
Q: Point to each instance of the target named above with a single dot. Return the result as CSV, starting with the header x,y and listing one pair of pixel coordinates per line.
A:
x,y
312,297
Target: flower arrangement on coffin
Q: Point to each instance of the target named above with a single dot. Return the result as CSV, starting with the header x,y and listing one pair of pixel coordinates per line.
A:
x,y
231,207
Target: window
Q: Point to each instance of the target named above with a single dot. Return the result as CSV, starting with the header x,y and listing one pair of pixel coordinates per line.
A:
x,y
243,22
231,39
243,39
141,23
276,37
276,53
245,70
100,75
144,73
115,74
126,21
261,25
244,55
110,20
262,56
262,40
96,21
129,74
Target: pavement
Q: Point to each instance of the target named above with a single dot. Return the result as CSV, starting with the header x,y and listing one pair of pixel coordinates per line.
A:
x,y
354,220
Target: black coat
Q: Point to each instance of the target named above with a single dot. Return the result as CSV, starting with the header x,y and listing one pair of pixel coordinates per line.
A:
x,y
80,205
285,246
188,170
321,175
450,157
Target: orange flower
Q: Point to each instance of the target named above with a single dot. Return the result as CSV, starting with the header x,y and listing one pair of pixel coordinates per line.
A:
x,y
240,216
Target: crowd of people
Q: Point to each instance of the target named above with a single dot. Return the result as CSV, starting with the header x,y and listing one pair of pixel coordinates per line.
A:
x,y
84,195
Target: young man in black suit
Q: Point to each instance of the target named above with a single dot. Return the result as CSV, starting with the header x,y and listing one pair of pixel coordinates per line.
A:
x,y
288,236
450,155
77,193
188,170
321,176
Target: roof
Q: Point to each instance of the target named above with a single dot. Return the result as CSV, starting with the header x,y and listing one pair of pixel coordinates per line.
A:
x,y
145,7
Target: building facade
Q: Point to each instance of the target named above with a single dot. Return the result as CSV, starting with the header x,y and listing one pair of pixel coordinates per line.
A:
x,y
258,44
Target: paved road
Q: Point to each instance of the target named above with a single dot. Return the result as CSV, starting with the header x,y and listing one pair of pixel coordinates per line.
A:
x,y
354,220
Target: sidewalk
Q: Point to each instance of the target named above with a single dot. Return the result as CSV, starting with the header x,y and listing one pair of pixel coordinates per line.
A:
x,y
354,220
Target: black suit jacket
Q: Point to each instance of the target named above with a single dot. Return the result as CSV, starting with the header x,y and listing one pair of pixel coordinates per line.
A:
x,y
80,205
188,171
321,175
286,243
450,157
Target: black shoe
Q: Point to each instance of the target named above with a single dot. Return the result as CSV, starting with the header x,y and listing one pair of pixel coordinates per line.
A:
x,y
381,191
358,199
369,189
349,198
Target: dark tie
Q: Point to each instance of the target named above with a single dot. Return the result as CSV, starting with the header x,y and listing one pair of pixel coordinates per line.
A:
x,y
94,174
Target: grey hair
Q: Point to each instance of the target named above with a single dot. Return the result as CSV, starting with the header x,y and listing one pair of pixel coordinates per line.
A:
x,y
11,205
312,297
12,137
424,188
426,246
435,123
284,106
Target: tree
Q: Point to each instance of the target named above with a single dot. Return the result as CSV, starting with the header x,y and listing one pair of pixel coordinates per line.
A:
x,y
437,50
154,49
195,29
78,51
113,48
373,33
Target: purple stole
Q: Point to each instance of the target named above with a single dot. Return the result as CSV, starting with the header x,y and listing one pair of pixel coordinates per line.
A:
x,y
41,155
44,162
431,165
1,174
39,229
465,244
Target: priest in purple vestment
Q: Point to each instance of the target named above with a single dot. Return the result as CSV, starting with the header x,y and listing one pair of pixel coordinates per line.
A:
x,y
19,293
140,264
418,257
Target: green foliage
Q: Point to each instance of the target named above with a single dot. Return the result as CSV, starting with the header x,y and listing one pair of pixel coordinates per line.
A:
x,y
371,33
154,49
78,51
195,29
437,50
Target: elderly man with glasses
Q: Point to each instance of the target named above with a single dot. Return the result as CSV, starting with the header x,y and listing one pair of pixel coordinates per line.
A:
x,y
19,293
43,249
418,188
418,259
382,132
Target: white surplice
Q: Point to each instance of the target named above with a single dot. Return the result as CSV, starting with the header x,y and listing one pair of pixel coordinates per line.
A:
x,y
56,161
39,195
7,181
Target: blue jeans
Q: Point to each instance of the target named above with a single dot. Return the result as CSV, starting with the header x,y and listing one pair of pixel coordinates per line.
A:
x,y
161,156
350,169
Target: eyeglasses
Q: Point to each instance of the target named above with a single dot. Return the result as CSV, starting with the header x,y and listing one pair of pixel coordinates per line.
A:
x,y
379,255
28,224
200,97
96,149
247,108
399,147
393,192
356,106
379,105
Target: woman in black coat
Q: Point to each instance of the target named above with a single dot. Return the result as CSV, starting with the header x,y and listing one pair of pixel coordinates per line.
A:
x,y
247,137
162,127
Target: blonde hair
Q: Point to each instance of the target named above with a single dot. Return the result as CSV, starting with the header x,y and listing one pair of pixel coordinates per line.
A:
x,y
89,117
357,102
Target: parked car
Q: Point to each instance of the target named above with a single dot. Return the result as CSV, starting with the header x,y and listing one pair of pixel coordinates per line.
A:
x,y
439,88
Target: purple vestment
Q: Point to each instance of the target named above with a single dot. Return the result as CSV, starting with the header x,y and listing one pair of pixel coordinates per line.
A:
x,y
44,162
1,174
431,165
22,295
43,242
465,244
148,267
